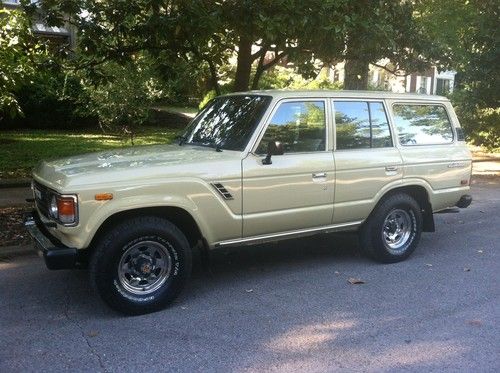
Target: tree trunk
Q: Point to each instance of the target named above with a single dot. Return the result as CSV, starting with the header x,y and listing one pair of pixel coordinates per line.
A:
x,y
214,80
356,75
244,64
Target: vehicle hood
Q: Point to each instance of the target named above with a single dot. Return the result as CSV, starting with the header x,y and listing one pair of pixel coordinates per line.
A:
x,y
139,162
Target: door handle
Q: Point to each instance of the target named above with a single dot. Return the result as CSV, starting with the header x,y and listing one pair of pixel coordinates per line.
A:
x,y
391,168
319,175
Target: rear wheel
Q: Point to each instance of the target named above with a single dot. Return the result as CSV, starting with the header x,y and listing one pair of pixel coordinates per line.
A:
x,y
141,265
393,230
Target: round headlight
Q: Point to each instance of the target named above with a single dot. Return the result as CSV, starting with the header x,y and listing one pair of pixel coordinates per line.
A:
x,y
53,210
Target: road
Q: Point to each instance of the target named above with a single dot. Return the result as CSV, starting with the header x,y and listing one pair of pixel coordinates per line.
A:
x,y
281,307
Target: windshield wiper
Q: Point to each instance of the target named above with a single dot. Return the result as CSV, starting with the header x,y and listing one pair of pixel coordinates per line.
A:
x,y
181,138
215,145
208,143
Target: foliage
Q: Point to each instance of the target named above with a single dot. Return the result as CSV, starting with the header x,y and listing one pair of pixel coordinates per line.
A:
x,y
210,95
122,94
16,161
377,29
287,78
481,124
52,99
468,34
20,56
204,34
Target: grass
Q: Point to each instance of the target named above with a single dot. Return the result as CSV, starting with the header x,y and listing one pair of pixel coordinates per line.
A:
x,y
21,150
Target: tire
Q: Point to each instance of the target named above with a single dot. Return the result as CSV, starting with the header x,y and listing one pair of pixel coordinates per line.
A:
x,y
393,230
141,265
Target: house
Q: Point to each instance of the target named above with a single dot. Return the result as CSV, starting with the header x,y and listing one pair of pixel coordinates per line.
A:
x,y
55,35
430,82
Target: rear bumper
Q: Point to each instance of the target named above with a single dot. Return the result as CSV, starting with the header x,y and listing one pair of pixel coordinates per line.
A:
x,y
464,201
55,254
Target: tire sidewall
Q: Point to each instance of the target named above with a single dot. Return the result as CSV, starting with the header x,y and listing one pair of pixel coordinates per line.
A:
x,y
414,228
105,268
380,251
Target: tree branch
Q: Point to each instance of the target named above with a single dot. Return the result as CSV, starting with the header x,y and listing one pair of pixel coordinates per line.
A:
x,y
276,59
394,72
261,68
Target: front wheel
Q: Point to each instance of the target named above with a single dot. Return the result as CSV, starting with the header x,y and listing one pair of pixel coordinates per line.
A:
x,y
393,230
141,265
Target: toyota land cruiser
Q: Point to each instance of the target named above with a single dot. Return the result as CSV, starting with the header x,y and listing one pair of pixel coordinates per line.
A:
x,y
252,167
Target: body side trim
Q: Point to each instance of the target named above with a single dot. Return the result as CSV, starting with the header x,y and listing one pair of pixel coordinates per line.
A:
x,y
289,234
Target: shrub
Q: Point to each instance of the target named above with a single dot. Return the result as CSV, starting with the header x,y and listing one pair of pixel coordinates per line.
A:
x,y
124,95
53,100
481,124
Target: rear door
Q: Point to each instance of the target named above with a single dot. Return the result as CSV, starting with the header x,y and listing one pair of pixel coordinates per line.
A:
x,y
366,158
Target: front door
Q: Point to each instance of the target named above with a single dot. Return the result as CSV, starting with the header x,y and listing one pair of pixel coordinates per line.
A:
x,y
296,190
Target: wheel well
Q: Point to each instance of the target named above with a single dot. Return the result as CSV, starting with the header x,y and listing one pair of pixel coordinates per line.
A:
x,y
420,195
177,216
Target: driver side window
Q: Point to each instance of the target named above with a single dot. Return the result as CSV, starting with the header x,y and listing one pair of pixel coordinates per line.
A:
x,y
299,125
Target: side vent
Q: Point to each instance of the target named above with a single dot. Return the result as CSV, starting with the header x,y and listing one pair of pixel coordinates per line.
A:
x,y
222,190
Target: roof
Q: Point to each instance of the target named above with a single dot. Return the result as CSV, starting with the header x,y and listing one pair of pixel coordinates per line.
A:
x,y
287,93
40,28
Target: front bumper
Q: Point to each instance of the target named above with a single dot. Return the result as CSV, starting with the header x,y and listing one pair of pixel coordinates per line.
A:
x,y
55,254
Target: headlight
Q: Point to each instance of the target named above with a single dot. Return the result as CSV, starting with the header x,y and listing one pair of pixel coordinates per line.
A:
x,y
64,209
53,209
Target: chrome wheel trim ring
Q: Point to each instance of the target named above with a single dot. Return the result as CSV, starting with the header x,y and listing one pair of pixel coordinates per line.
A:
x,y
398,230
144,267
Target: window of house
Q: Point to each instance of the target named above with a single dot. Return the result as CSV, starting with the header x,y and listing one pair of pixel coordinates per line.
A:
x,y
422,124
299,125
361,125
423,84
442,86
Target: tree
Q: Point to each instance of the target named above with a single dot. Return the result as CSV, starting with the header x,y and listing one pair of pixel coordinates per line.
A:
x,y
203,32
378,30
20,56
467,32
259,33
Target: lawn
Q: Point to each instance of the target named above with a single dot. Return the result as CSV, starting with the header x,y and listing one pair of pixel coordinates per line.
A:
x,y
21,150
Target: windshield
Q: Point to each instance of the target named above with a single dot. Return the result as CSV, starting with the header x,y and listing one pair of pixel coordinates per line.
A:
x,y
227,122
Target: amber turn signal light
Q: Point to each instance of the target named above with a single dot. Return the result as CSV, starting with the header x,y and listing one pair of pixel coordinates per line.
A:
x,y
103,196
66,209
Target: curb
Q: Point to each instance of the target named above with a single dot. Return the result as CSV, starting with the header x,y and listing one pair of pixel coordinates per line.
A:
x,y
13,251
15,183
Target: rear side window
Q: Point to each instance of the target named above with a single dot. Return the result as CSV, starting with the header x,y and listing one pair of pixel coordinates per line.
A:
x,y
422,124
361,125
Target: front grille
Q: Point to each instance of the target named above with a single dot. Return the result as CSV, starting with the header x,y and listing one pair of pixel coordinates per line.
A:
x,y
42,196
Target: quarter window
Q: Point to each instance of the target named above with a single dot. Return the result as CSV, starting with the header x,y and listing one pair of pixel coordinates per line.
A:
x,y
299,125
361,125
422,124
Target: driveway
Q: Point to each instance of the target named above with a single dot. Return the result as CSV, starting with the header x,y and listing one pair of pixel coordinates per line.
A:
x,y
282,307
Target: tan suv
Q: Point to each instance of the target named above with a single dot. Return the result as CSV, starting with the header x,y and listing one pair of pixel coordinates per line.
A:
x,y
252,167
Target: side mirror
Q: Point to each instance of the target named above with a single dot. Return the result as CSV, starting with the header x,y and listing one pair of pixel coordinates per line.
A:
x,y
273,148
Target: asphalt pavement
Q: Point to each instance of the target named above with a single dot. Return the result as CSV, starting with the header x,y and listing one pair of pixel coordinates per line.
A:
x,y
285,307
